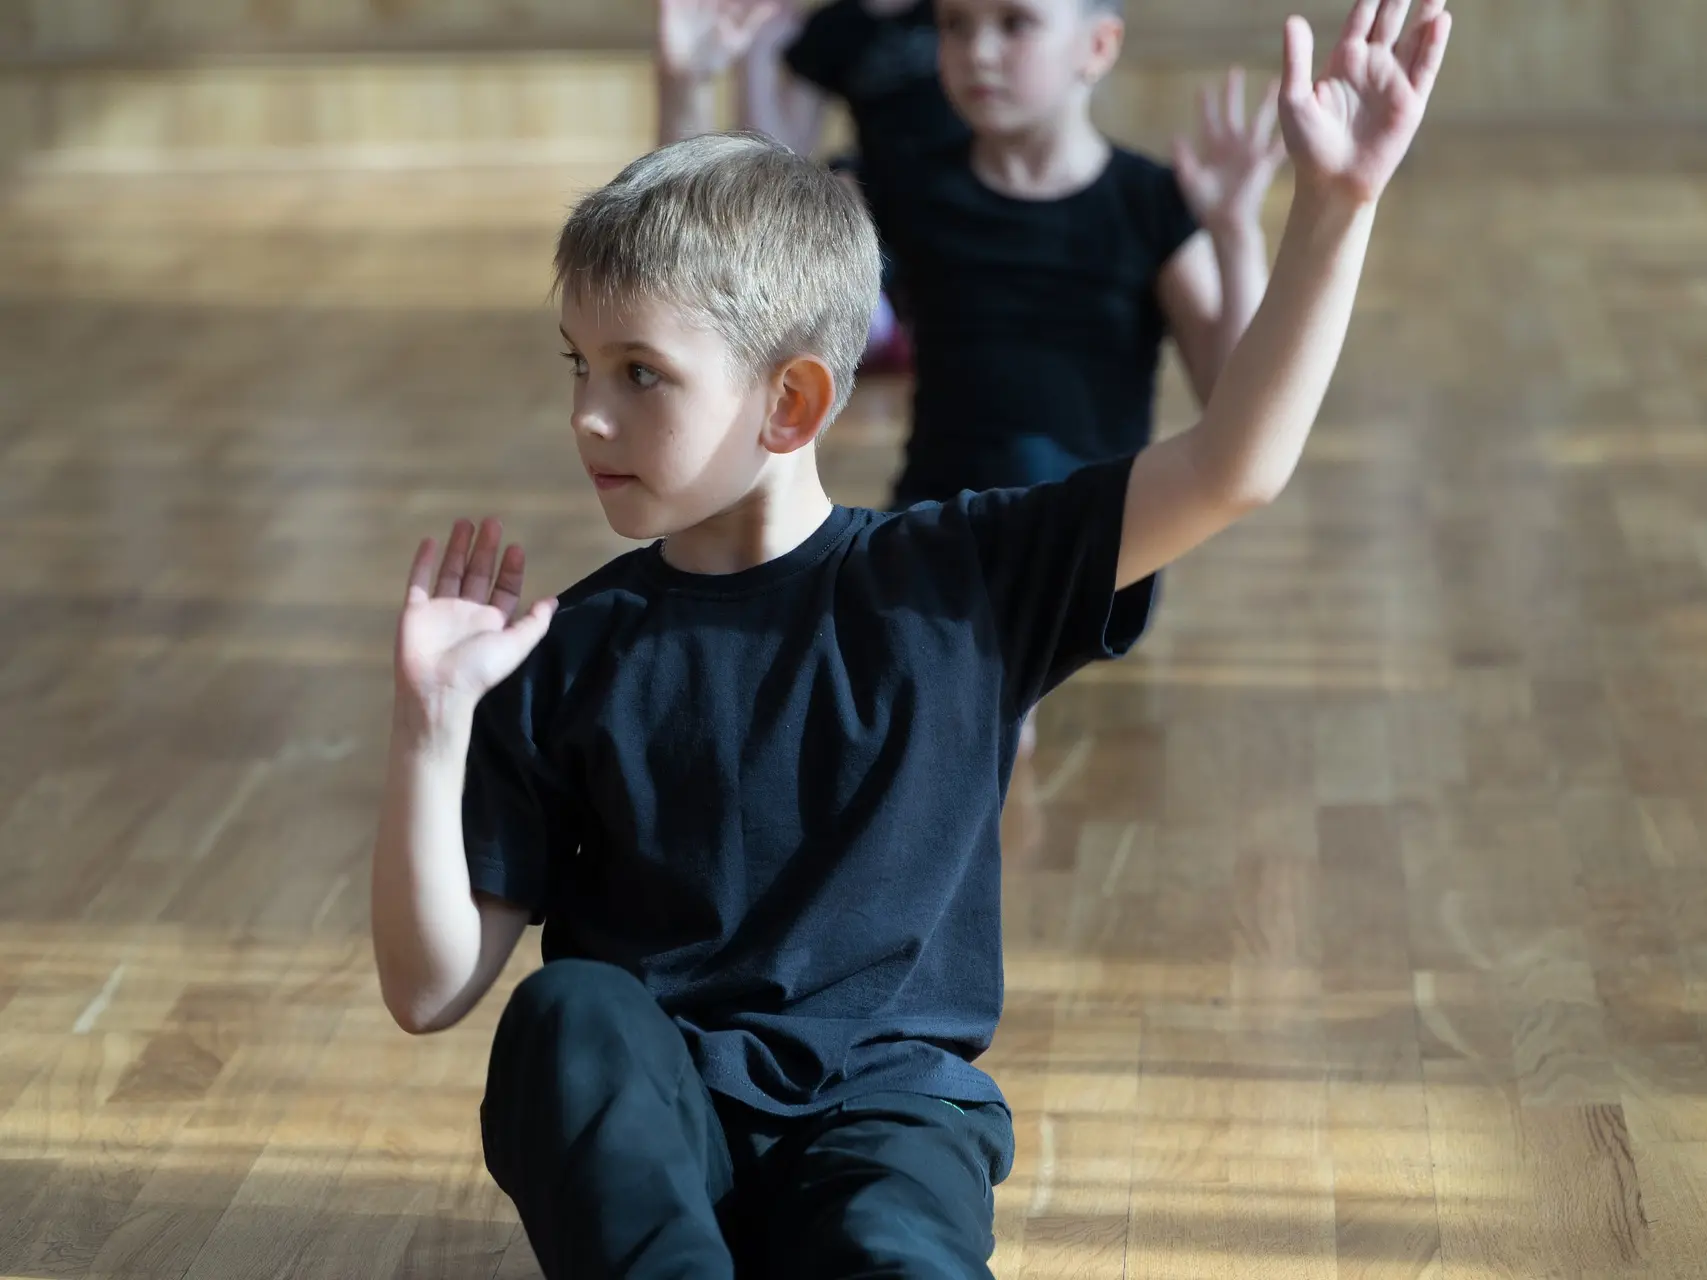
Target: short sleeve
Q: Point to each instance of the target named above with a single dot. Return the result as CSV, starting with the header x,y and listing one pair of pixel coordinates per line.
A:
x,y
831,42
514,809
1049,555
1166,218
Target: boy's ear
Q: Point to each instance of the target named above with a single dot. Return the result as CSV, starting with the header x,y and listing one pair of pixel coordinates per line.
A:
x,y
802,392
1108,33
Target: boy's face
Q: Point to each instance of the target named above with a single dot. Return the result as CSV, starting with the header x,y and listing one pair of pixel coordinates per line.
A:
x,y
1010,65
668,433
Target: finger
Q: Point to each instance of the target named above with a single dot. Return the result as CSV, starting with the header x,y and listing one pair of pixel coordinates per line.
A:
x,y
508,591
1236,100
421,572
1186,164
1390,22
1262,128
483,562
1406,49
1209,107
456,559
741,27
1297,83
1360,20
1431,52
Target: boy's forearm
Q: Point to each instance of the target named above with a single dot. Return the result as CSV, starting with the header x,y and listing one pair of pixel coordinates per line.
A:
x,y
426,925
1241,257
1258,418
686,106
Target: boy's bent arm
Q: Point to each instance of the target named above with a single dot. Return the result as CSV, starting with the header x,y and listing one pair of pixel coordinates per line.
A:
x,y
437,946
1346,136
1210,286
1210,290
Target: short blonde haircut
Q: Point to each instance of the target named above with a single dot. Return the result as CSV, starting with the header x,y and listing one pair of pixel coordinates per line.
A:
x,y
764,247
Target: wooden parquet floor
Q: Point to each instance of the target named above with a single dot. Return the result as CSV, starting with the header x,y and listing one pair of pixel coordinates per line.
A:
x,y
1357,927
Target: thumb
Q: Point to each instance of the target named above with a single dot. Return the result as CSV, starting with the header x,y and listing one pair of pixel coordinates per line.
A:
x,y
1299,79
1187,167
507,649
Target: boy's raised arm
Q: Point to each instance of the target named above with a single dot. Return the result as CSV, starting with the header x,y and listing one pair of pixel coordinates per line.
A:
x,y
698,40
1346,134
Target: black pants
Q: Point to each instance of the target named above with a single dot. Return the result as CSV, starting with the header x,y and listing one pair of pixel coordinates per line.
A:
x,y
622,1163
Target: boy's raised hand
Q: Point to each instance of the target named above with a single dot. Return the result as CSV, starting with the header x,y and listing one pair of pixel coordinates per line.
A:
x,y
699,39
1348,131
459,634
1226,174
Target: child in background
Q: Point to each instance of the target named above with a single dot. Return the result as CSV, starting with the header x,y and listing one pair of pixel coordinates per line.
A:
x,y
750,776
1040,266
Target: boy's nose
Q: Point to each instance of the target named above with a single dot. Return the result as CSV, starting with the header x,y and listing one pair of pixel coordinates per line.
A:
x,y
588,421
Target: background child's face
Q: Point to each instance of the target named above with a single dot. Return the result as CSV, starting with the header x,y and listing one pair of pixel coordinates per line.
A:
x,y
666,429
1010,65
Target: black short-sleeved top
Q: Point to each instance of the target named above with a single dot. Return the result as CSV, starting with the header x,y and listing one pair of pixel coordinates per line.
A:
x,y
775,796
1037,324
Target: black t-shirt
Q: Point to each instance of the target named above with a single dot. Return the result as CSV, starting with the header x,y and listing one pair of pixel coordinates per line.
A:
x,y
775,796
1037,324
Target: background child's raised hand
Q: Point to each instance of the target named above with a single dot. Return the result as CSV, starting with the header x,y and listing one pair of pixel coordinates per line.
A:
x,y
1228,172
459,634
1348,131
703,38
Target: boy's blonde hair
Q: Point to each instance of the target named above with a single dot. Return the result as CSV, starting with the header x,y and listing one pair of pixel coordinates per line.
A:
x,y
764,247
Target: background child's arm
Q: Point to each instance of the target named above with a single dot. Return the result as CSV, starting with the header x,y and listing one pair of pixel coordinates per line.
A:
x,y
772,100
698,40
1211,286
1346,135
438,948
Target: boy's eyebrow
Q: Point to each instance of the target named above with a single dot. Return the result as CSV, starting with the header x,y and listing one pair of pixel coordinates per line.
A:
x,y
628,345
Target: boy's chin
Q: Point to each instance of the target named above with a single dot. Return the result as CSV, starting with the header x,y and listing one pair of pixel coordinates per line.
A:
x,y
631,517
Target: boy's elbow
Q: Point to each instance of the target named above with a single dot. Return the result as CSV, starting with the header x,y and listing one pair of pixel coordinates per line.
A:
x,y
418,1017
1256,492
412,1006
1245,487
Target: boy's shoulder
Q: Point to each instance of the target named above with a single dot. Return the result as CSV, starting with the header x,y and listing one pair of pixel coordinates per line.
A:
x,y
623,577
1140,172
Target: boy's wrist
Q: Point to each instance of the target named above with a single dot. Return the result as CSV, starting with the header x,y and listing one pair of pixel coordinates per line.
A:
x,y
1329,206
1237,232
431,728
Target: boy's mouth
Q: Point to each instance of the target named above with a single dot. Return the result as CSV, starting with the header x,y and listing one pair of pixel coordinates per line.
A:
x,y
608,479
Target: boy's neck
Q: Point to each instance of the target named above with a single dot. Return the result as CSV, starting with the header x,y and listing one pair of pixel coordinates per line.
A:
x,y
783,510
1053,159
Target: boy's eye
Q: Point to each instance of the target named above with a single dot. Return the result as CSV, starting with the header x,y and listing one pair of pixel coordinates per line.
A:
x,y
642,377
579,365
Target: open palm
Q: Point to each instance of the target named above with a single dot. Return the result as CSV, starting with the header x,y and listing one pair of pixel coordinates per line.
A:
x,y
1350,129
703,38
1226,173
459,635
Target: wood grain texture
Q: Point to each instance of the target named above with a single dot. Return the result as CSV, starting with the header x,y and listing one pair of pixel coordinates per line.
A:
x,y
1356,926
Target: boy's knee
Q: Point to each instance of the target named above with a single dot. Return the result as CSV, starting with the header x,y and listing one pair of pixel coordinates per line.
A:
x,y
576,1003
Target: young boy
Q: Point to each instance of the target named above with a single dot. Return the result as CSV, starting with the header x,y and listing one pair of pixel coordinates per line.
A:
x,y
749,777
